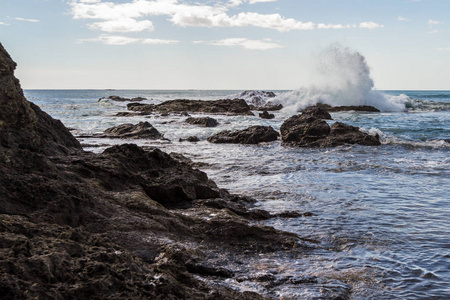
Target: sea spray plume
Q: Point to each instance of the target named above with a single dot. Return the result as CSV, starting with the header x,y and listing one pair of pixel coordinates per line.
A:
x,y
340,77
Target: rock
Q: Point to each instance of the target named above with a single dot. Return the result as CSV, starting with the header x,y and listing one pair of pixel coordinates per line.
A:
x,y
256,98
362,108
115,98
143,108
142,130
137,99
265,115
317,111
251,135
205,122
308,131
268,106
192,139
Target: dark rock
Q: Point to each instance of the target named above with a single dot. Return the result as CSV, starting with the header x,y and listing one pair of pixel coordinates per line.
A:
x,y
318,112
362,108
192,139
144,108
127,114
268,106
137,99
251,135
142,130
308,131
227,106
115,98
205,122
265,115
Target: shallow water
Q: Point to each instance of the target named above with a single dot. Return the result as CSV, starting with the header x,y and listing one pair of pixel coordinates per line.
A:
x,y
381,215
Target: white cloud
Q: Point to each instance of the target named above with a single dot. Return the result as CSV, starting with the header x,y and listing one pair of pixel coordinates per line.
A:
x,y
431,23
122,40
444,49
26,20
122,25
370,25
402,19
3,23
248,44
123,17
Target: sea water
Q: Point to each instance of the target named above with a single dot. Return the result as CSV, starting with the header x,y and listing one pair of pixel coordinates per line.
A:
x,y
380,223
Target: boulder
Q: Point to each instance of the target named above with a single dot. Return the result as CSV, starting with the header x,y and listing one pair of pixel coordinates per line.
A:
x,y
308,131
265,115
204,122
140,107
256,98
251,135
317,111
142,130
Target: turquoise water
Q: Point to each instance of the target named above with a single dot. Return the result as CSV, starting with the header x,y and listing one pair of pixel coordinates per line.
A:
x,y
381,215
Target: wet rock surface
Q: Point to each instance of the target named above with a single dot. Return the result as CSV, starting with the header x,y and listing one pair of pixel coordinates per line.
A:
x,y
127,223
265,115
360,108
251,135
226,106
122,99
142,130
309,131
204,122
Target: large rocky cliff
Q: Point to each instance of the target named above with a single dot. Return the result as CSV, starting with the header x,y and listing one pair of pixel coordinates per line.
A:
x,y
125,224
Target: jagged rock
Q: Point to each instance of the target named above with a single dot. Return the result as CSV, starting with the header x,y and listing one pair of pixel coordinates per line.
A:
x,y
137,99
251,135
265,115
269,106
256,98
127,223
122,99
317,111
144,108
308,131
192,139
142,130
363,108
205,122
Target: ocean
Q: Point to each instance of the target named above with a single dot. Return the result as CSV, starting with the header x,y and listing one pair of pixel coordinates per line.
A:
x,y
380,216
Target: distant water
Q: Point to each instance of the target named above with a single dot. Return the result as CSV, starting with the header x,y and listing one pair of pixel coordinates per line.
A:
x,y
381,214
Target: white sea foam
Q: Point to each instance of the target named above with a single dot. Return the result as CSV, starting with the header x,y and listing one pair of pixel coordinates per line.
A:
x,y
341,77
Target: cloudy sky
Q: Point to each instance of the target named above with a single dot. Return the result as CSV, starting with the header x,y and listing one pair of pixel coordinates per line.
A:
x,y
221,44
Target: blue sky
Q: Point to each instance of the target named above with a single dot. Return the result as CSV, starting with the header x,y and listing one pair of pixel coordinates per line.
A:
x,y
228,44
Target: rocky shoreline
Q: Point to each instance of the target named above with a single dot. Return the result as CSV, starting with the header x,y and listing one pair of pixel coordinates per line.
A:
x,y
135,223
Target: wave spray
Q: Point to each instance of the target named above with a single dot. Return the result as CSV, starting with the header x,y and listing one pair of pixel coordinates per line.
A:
x,y
341,77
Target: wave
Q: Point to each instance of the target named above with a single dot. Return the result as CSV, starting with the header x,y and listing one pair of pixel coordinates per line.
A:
x,y
341,77
421,105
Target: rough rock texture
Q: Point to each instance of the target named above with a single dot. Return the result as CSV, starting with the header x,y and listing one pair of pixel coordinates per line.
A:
x,y
124,224
142,130
317,111
251,135
256,98
265,115
227,106
362,108
308,131
205,122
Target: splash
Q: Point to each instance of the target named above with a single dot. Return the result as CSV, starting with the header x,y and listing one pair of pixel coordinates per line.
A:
x,y
341,77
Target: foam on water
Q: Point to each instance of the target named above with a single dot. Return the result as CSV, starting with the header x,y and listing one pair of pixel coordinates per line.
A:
x,y
341,77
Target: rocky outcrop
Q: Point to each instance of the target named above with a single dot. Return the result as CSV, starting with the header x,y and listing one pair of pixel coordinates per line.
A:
x,y
127,223
122,99
142,130
361,108
227,107
251,135
318,112
308,131
256,98
265,115
204,122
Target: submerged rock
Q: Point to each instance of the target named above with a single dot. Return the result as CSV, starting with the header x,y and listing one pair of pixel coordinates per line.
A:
x,y
205,122
122,99
251,135
308,131
142,130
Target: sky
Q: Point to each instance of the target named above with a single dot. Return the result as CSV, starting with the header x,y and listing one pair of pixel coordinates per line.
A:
x,y
222,44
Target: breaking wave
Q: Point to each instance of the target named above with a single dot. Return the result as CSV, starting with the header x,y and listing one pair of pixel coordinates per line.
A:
x,y
341,77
